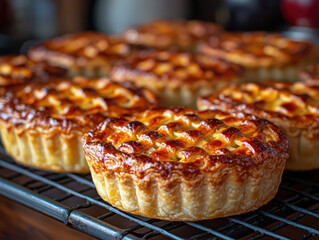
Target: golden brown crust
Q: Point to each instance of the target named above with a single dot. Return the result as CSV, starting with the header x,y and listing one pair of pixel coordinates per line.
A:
x,y
42,123
172,152
161,140
53,151
310,75
17,69
294,103
292,106
178,75
79,103
259,49
88,53
178,34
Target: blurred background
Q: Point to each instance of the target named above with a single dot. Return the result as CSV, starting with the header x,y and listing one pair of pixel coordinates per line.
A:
x,y
24,23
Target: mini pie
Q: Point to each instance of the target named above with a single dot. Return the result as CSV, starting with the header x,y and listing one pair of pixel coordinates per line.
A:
x,y
310,75
180,164
292,106
88,53
264,55
17,69
179,34
178,78
42,124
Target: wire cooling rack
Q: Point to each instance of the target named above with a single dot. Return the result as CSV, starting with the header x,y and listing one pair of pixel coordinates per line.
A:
x,y
73,200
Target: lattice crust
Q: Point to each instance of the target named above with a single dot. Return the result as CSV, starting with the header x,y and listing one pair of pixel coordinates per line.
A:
x,y
80,103
178,34
310,75
260,49
292,106
41,124
184,135
293,102
195,158
181,76
180,67
88,53
16,69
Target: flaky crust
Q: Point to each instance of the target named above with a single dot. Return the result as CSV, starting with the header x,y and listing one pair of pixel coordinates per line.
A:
x,y
42,123
17,69
310,75
180,164
265,55
179,78
88,53
176,34
294,107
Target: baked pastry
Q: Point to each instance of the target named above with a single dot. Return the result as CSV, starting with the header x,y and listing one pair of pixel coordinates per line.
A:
x,y
88,53
177,34
17,69
180,164
310,75
264,55
292,106
42,124
178,78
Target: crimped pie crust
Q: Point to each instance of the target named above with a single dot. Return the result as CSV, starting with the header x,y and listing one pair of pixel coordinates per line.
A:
x,y
88,53
17,69
265,55
42,123
175,34
180,164
292,106
178,78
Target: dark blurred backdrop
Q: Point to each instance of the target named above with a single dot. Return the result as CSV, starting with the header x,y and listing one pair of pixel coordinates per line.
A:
x,y
25,22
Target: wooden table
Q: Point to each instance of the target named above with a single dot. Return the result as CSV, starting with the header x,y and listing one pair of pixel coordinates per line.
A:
x,y
19,222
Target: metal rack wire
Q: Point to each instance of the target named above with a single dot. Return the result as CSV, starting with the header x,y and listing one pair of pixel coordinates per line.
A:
x,y
72,199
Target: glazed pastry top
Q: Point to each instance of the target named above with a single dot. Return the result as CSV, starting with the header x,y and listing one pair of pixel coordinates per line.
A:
x,y
80,103
259,49
17,69
181,139
293,102
175,66
180,34
310,75
81,46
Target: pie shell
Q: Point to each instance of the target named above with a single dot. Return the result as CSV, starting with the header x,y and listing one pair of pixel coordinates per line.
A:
x,y
89,54
18,69
264,55
179,35
310,75
35,135
209,186
177,78
303,131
